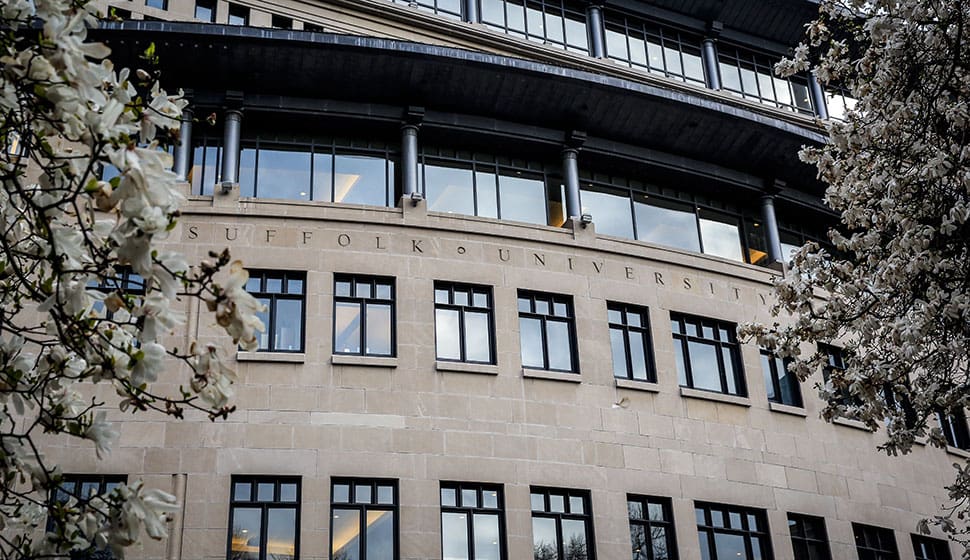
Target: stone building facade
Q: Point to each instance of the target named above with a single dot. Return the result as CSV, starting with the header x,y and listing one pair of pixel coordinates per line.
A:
x,y
448,376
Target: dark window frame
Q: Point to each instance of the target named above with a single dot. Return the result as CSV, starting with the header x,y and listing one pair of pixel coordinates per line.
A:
x,y
207,5
648,524
544,319
265,507
772,377
627,330
563,9
435,7
837,361
278,21
489,309
586,516
682,338
480,489
363,508
870,542
801,541
240,12
362,303
929,548
106,484
157,4
741,58
709,529
665,36
953,423
284,276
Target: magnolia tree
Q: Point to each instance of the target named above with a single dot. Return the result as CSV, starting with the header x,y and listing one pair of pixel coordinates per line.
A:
x,y
74,247
894,292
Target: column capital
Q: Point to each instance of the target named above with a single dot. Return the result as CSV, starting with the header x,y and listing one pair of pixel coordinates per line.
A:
x,y
773,187
413,116
574,140
714,29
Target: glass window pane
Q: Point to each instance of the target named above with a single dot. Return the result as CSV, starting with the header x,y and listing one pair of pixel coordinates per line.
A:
x,y
638,542
489,498
454,536
638,355
447,334
246,529
469,497
537,501
619,353
658,537
576,504
294,286
487,547
283,174
729,76
557,503
634,509
247,172
360,180
522,199
703,364
788,383
560,309
672,60
265,491
802,99
611,212
655,53
346,328
766,363
478,346
378,329
383,290
385,494
574,539
638,51
525,305
493,12
363,289
560,345
729,371
486,194
545,542
576,35
722,239
288,492
380,535
480,299
441,296
341,493
554,28
530,342
515,17
693,68
634,319
655,512
449,189
542,307
734,519
749,82
729,546
461,296
616,44
705,546
679,358
323,177
448,497
614,316
674,226
342,289
274,285
345,538
362,493
281,534
242,491
288,327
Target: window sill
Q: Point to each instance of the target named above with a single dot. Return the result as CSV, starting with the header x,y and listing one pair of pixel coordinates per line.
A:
x,y
551,375
371,361
849,423
285,357
787,409
958,452
635,385
712,396
466,367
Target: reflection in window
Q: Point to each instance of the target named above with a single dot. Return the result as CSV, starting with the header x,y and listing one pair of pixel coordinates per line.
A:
x,y
611,211
630,342
547,331
263,516
491,187
720,236
651,528
238,15
562,524
839,103
448,8
707,354
205,10
363,315
752,76
782,386
206,164
874,543
667,223
559,23
729,532
157,4
642,45
363,519
283,295
954,426
928,548
472,522
463,323
808,537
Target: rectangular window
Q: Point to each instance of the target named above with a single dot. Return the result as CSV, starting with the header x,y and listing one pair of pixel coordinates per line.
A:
x,y
836,362
782,386
728,532
158,4
558,23
283,295
127,284
472,522
447,8
238,15
630,342
562,524
363,315
281,22
808,537
313,27
82,488
547,331
463,323
927,548
363,519
264,518
651,528
751,76
874,543
205,10
707,354
954,426
658,50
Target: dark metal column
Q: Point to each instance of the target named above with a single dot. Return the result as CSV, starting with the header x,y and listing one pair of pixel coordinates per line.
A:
x,y
230,146
709,55
818,97
409,151
471,11
570,172
771,228
596,31
183,152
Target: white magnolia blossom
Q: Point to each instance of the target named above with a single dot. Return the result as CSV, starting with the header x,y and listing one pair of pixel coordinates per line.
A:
x,y
69,240
893,292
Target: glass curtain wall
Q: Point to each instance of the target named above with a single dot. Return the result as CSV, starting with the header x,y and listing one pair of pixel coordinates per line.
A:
x,y
645,46
751,76
558,23
447,8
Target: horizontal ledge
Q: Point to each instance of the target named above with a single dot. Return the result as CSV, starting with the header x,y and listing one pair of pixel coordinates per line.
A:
x,y
636,385
286,357
551,375
712,396
371,361
466,367
958,452
787,409
850,423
